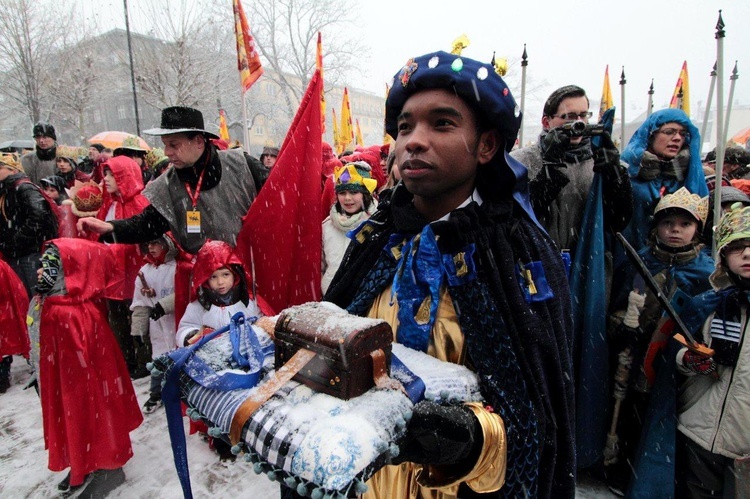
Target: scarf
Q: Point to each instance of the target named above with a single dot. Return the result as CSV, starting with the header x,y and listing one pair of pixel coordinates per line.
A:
x,y
345,222
652,166
46,154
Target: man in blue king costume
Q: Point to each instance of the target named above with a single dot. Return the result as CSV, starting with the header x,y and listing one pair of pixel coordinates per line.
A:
x,y
455,260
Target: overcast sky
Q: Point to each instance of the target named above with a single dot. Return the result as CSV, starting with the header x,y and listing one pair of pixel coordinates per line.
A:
x,y
567,42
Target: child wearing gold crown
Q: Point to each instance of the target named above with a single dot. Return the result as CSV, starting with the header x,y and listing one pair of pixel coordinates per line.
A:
x,y
674,258
354,186
714,403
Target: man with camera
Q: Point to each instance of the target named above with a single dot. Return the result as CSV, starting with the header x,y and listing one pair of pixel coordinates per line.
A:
x,y
562,165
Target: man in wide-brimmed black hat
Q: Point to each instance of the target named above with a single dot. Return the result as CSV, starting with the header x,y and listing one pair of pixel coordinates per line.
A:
x,y
204,196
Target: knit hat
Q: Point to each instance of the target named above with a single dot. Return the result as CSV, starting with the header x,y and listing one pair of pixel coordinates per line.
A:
x,y
733,195
10,160
683,200
354,177
270,151
55,181
99,147
734,225
44,130
51,270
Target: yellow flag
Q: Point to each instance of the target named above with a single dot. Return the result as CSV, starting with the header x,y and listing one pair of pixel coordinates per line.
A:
x,y
607,101
319,67
360,140
684,85
346,130
336,139
223,130
387,139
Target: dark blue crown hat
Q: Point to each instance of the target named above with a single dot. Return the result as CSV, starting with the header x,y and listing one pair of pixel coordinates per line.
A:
x,y
486,93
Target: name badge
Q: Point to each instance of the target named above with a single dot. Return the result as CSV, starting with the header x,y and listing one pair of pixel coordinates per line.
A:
x,y
194,222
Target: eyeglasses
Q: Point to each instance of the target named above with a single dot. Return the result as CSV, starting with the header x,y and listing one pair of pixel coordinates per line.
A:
x,y
736,247
574,116
670,132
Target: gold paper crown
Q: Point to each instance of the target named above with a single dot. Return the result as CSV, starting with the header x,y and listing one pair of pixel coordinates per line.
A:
x,y
685,200
11,161
459,44
734,225
70,152
155,156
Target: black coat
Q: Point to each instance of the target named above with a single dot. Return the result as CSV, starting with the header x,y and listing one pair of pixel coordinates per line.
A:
x,y
26,217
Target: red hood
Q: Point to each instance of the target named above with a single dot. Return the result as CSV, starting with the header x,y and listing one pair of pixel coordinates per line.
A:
x,y
129,183
127,173
89,269
211,257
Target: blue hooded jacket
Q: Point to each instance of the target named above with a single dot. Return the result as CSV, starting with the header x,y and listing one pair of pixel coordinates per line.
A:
x,y
646,193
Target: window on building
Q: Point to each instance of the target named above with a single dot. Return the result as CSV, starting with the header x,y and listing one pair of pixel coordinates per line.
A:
x,y
97,116
259,130
270,89
122,111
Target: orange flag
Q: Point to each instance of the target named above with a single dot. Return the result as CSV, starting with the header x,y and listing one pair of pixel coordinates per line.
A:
x,y
223,130
683,85
319,67
347,130
360,140
281,236
248,61
607,101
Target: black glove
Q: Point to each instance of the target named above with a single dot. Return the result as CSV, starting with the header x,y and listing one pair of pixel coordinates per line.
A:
x,y
157,312
553,145
606,156
440,435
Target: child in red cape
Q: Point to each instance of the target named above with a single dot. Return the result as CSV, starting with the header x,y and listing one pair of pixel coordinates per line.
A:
x,y
89,406
14,340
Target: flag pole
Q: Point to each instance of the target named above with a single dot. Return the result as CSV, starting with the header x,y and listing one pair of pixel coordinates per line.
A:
x,y
650,108
704,125
524,63
680,96
622,109
733,80
245,129
719,121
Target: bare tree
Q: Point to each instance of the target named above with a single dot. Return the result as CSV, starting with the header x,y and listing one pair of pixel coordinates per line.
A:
x,y
178,71
27,46
286,33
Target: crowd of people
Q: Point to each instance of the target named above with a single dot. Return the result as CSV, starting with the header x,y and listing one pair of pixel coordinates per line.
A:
x,y
474,250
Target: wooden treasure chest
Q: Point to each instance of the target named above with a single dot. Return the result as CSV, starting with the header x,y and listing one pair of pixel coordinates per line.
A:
x,y
347,355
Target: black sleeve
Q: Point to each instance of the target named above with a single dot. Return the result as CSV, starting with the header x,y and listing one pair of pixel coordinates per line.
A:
x,y
617,198
141,228
260,172
39,222
545,187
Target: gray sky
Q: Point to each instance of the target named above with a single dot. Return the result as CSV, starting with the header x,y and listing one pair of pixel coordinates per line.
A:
x,y
567,42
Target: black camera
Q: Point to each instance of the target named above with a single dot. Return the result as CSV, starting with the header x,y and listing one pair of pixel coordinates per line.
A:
x,y
581,129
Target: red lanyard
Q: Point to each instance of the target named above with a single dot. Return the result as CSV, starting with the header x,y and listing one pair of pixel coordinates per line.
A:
x,y
194,198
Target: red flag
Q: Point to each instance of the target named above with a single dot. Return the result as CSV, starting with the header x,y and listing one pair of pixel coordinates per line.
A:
x,y
248,61
281,234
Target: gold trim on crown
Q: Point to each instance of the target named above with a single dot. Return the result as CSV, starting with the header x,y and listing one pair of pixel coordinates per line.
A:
x,y
685,200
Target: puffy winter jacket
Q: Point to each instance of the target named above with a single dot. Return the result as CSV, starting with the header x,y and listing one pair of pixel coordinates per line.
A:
x,y
26,218
715,413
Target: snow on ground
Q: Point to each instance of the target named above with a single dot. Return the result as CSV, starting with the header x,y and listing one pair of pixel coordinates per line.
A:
x,y
149,474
